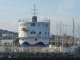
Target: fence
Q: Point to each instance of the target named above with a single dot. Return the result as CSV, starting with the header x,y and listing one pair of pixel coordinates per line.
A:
x,y
36,49
21,49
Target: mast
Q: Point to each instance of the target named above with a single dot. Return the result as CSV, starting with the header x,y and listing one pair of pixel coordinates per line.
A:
x,y
73,33
57,33
34,10
34,18
56,37
60,31
78,34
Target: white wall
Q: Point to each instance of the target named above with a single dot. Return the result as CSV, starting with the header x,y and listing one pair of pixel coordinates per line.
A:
x,y
7,41
42,28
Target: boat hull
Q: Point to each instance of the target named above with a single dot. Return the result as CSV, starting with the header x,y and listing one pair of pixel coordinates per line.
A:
x,y
32,43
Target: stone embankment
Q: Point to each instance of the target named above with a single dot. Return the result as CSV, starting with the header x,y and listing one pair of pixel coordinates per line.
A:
x,y
39,55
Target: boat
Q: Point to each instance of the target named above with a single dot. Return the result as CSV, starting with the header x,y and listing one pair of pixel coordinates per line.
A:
x,y
34,31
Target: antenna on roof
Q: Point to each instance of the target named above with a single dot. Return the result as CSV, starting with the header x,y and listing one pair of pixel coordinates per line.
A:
x,y
34,18
34,10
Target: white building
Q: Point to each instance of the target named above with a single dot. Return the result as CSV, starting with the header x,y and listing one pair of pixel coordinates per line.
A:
x,y
9,35
34,32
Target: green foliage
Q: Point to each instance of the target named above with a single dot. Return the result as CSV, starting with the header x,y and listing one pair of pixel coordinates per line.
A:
x,y
7,45
53,43
16,42
58,44
66,45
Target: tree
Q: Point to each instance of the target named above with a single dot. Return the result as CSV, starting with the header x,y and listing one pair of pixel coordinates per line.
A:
x,y
56,40
65,43
16,42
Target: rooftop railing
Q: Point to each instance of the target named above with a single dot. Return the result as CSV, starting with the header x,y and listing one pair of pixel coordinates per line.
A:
x,y
30,20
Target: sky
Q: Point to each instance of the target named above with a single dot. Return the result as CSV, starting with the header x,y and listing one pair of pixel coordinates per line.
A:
x,y
56,10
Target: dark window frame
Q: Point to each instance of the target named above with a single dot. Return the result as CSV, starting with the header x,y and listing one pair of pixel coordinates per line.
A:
x,y
33,32
32,24
39,32
45,33
36,39
46,25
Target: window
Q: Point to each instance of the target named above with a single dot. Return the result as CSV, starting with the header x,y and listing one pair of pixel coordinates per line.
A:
x,y
28,24
33,32
23,24
38,24
45,33
46,25
39,32
35,39
48,33
32,24
24,29
43,24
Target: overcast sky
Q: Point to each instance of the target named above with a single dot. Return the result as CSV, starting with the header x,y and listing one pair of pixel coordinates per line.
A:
x,y
55,10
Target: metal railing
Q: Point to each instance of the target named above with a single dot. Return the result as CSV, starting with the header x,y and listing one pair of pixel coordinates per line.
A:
x,y
30,20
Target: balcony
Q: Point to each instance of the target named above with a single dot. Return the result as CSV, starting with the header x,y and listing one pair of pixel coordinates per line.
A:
x,y
24,29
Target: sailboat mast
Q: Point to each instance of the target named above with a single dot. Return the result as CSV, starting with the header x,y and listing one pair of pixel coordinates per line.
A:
x,y
78,35
60,31
73,33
